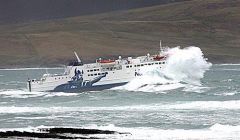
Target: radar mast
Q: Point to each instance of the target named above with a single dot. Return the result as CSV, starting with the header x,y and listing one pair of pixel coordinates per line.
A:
x,y
78,59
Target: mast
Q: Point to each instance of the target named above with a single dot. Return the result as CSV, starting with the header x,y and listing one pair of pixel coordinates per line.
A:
x,y
78,59
160,47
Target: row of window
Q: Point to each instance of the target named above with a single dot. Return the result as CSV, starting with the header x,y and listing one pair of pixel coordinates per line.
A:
x,y
109,68
92,70
34,80
60,78
95,74
130,66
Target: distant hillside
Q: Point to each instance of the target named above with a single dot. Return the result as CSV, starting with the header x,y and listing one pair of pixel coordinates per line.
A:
x,y
19,11
212,25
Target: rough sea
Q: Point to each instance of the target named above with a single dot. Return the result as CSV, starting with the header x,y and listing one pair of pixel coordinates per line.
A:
x,y
190,99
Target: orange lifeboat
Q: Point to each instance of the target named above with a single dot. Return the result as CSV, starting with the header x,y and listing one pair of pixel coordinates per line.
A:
x,y
106,61
157,57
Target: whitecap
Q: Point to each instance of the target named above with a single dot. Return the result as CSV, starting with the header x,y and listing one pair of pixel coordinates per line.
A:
x,y
232,93
227,64
27,94
214,132
193,105
20,94
184,67
60,94
194,88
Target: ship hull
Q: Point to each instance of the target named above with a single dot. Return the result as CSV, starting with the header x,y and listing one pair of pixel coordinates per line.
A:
x,y
79,88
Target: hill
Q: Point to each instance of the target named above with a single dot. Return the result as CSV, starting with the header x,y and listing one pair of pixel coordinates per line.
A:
x,y
212,25
19,11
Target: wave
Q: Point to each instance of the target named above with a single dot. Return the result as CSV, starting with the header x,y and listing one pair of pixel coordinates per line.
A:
x,y
230,93
26,94
230,64
11,83
60,94
183,67
214,132
230,69
194,105
20,94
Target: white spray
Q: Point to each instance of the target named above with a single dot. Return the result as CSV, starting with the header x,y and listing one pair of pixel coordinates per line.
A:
x,y
184,67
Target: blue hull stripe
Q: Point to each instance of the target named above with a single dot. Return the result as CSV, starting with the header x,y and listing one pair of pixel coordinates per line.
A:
x,y
75,88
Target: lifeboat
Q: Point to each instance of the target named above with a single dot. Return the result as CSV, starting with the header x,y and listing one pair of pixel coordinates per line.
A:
x,y
105,61
157,57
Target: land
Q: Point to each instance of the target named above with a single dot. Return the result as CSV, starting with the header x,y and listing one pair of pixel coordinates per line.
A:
x,y
59,133
212,25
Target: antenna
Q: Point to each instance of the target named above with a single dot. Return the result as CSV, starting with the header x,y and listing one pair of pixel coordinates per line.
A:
x,y
160,45
77,57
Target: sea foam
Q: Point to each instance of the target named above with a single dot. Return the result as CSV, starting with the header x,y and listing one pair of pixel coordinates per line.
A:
x,y
27,94
214,132
193,105
184,67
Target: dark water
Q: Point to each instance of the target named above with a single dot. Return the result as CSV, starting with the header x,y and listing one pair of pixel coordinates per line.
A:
x,y
162,111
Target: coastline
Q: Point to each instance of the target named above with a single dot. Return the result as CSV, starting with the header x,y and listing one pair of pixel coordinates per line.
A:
x,y
51,43
33,67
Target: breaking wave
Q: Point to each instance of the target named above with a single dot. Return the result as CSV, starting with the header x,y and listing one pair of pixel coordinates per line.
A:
x,y
214,132
194,105
183,67
26,94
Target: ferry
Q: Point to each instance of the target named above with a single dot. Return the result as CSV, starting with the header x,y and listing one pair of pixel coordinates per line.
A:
x,y
103,74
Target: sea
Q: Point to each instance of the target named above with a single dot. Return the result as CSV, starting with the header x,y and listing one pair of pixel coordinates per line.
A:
x,y
189,99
